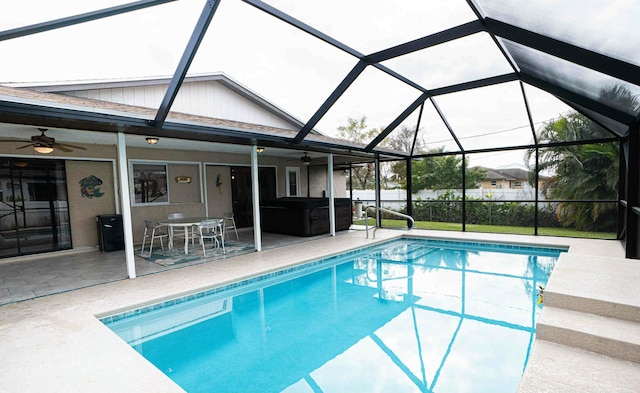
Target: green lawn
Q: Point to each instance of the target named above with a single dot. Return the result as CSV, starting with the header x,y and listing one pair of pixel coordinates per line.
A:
x,y
448,226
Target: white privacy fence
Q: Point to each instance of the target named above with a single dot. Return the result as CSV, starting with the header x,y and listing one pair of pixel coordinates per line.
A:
x,y
397,199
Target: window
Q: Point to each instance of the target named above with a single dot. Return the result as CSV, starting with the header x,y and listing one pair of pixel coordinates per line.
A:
x,y
493,183
517,184
293,181
149,184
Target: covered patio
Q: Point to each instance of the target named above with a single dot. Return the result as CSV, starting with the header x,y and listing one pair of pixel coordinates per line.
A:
x,y
26,278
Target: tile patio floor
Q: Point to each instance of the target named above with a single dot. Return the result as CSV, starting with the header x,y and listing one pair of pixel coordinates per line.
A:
x,y
24,278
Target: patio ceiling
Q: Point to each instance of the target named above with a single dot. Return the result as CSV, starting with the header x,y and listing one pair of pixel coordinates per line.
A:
x,y
471,75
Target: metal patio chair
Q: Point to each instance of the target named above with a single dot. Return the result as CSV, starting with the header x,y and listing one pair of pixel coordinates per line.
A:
x,y
229,223
212,229
155,231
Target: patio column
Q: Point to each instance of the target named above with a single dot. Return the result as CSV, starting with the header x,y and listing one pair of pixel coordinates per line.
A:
x,y
255,192
378,195
632,149
332,207
125,203
409,174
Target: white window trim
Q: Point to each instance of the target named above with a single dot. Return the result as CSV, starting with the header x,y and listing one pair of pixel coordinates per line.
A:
x,y
289,170
132,183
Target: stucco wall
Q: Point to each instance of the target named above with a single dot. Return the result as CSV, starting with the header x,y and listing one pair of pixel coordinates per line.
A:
x,y
218,198
83,210
319,183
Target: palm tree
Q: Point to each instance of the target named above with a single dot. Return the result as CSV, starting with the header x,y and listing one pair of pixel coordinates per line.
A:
x,y
581,172
587,171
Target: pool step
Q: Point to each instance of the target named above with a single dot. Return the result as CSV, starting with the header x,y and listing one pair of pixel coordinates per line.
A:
x,y
588,334
554,368
608,336
579,284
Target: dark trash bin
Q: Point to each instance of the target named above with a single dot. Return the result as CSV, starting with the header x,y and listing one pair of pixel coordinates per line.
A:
x,y
110,232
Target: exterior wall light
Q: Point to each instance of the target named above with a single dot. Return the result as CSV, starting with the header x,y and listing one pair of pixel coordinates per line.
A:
x,y
152,140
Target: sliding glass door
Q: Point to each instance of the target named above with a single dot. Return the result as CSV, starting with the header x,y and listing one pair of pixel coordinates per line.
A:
x,y
241,191
34,212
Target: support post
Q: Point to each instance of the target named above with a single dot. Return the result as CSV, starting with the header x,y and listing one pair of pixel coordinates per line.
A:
x,y
633,168
125,204
255,191
622,192
537,191
332,201
409,187
378,198
351,182
464,192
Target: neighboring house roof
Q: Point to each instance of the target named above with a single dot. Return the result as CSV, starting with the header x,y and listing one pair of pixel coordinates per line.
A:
x,y
508,174
493,174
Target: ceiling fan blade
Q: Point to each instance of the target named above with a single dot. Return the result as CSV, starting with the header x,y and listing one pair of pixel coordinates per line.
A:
x,y
66,145
62,148
15,140
25,146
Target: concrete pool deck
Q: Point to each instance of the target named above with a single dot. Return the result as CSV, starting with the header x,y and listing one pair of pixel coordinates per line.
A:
x,y
56,343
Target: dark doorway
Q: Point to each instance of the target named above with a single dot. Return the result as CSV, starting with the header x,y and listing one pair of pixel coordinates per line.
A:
x,y
241,192
34,211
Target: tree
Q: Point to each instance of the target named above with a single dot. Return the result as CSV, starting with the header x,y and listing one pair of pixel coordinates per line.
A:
x,y
580,172
443,172
402,140
586,171
356,131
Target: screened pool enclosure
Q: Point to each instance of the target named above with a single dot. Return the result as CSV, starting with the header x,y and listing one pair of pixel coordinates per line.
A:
x,y
484,82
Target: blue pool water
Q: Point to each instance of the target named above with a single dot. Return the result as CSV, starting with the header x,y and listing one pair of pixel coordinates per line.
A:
x,y
412,315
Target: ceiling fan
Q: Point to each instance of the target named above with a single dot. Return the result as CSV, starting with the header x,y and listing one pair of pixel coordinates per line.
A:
x,y
45,144
306,160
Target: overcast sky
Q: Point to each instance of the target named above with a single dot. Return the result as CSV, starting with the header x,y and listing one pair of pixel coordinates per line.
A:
x,y
289,68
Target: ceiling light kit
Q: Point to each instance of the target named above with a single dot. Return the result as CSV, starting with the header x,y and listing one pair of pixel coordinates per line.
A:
x,y
306,160
45,144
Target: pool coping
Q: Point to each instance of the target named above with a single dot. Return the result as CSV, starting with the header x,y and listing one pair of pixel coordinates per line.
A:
x,y
60,339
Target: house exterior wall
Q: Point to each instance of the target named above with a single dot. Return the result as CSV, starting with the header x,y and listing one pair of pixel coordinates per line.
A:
x,y
319,183
202,98
218,198
511,184
82,210
500,184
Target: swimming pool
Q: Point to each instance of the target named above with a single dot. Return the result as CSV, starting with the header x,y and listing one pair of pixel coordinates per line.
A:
x,y
411,315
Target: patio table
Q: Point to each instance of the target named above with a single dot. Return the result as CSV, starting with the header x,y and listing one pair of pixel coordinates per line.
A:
x,y
186,223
